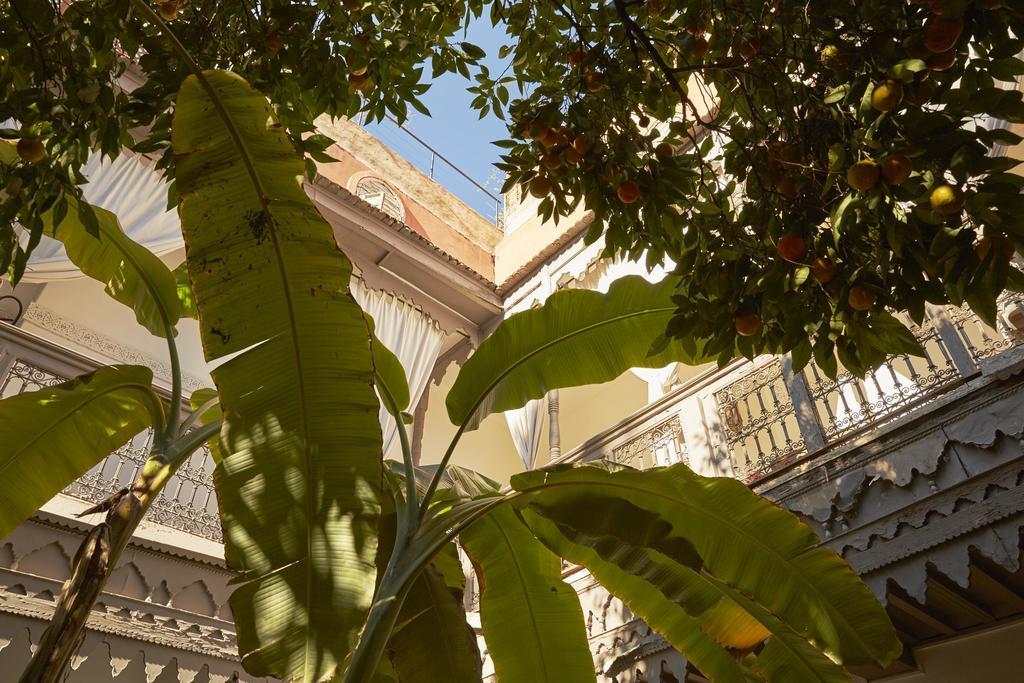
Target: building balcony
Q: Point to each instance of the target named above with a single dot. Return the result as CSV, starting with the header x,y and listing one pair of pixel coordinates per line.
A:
x,y
914,474
880,467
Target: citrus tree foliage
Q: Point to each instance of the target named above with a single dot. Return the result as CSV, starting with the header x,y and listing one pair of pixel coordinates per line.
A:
x,y
92,76
808,165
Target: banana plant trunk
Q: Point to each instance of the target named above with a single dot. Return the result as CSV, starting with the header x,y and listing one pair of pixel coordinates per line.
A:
x,y
95,560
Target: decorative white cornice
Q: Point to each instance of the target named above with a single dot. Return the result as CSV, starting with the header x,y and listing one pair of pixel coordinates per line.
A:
x,y
105,346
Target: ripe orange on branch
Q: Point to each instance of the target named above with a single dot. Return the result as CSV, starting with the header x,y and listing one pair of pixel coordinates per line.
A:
x,y
628,192
791,247
887,95
31,150
941,34
896,168
747,324
540,187
946,200
823,270
863,175
861,298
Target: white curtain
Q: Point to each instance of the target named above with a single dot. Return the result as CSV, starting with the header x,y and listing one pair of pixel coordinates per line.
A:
x,y
412,335
525,424
132,189
601,278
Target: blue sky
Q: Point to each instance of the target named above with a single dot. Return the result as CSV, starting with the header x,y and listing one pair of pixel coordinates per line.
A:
x,y
455,130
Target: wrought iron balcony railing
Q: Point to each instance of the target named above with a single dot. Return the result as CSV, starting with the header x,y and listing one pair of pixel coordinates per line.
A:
x,y
752,419
749,419
188,503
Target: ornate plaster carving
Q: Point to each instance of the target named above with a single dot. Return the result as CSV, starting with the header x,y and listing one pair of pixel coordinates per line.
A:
x,y
104,345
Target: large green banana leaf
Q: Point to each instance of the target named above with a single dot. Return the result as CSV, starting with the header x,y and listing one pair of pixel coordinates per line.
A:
x,y
51,437
742,540
433,641
132,274
389,373
648,597
577,337
300,478
704,619
532,620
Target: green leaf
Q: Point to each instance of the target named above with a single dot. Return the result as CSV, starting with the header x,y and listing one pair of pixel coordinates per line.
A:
x,y
42,448
183,286
603,335
532,620
299,484
743,541
389,371
622,570
211,413
434,642
133,275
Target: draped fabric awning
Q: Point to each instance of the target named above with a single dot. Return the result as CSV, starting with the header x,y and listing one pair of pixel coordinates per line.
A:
x,y
412,335
134,190
131,188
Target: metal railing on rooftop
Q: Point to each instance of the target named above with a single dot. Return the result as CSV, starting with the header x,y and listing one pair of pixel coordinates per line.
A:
x,y
439,168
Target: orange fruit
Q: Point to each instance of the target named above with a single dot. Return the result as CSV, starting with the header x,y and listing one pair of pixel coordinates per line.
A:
x,y
31,150
273,42
539,132
830,57
941,34
861,298
594,82
1003,246
791,247
581,145
896,169
628,192
747,324
946,200
942,60
823,270
664,151
887,95
551,160
358,81
169,11
572,156
576,58
863,175
540,186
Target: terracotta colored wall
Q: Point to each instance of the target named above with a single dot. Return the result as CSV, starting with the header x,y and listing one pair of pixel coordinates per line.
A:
x,y
430,209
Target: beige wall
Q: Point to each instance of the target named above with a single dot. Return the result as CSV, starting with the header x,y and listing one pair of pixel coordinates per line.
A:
x,y
527,236
487,450
989,656
584,412
79,315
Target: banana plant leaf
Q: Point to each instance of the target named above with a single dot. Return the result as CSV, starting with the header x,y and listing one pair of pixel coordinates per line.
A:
x,y
51,437
300,478
604,335
132,274
743,541
532,620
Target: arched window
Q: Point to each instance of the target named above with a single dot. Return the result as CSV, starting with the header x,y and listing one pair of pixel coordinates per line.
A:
x,y
376,192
